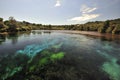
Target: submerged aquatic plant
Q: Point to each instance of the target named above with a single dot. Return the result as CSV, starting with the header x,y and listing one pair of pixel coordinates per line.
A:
x,y
10,66
11,72
111,67
57,56
43,61
33,49
58,45
47,57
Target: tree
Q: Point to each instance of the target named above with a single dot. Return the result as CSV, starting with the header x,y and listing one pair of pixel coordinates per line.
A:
x,y
1,19
104,28
116,30
11,18
3,27
13,25
109,29
49,27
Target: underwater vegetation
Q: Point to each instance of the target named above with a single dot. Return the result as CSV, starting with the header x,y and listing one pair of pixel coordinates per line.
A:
x,y
111,67
58,57
57,46
47,64
30,52
37,65
10,65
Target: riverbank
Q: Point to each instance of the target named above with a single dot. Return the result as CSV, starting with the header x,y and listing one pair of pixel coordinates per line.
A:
x,y
3,33
108,36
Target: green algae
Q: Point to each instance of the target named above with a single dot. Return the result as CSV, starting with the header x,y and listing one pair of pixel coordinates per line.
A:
x,y
15,70
48,57
110,66
107,46
45,52
112,69
33,49
43,61
57,46
10,65
11,72
57,56
32,68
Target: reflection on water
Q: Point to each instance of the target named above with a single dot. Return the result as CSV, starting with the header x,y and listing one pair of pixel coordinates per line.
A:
x,y
55,55
2,38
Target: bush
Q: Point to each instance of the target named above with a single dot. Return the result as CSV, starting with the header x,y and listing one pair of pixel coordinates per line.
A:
x,y
116,30
1,19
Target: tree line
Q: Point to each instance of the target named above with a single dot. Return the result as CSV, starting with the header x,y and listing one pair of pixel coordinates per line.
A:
x,y
109,26
12,25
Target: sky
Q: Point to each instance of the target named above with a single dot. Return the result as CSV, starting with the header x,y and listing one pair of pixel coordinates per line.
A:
x,y
60,12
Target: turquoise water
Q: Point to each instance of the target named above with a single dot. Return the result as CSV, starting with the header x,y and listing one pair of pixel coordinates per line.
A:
x,y
56,55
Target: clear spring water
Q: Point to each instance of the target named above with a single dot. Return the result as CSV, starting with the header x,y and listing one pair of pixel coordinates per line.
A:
x,y
96,57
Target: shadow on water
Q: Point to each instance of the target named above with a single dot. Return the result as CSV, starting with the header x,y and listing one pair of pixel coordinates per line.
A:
x,y
110,38
12,36
41,32
2,38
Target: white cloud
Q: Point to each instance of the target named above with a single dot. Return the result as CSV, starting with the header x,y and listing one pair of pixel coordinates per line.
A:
x,y
86,9
57,3
85,14
84,17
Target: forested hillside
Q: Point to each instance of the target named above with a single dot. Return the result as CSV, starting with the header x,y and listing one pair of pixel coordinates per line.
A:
x,y
109,26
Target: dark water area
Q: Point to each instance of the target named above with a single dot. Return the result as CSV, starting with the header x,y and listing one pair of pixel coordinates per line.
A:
x,y
56,55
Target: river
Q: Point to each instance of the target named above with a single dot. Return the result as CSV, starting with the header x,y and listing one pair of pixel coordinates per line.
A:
x,y
59,55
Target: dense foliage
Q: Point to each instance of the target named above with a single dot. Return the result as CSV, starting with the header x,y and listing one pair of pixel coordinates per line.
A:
x,y
109,26
12,25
